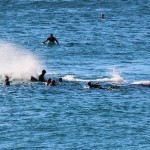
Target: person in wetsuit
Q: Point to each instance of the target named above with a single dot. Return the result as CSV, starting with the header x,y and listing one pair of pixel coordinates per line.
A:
x,y
41,77
51,39
91,85
7,82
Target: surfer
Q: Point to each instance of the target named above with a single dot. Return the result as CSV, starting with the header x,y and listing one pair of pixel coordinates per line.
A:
x,y
51,39
41,77
7,82
102,16
98,86
48,81
53,83
60,80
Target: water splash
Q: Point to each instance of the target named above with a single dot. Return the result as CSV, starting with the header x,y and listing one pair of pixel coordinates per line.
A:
x,y
69,78
114,77
17,63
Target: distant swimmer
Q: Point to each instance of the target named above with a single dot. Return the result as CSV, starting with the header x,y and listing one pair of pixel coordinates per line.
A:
x,y
91,85
51,39
41,77
60,80
48,82
102,16
53,83
7,82
98,86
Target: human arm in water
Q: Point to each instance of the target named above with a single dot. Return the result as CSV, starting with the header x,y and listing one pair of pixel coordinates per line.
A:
x,y
53,41
45,40
56,41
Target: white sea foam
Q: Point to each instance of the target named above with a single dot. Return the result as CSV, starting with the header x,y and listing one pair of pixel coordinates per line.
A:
x,y
17,63
115,77
141,82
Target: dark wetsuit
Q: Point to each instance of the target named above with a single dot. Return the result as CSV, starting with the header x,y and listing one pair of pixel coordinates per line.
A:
x,y
7,82
52,39
94,85
41,78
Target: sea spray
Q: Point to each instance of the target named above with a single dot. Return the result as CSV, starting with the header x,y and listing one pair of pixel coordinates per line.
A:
x,y
17,63
115,75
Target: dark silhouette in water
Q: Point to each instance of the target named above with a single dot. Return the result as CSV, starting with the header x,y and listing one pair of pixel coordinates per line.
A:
x,y
48,81
7,82
60,80
98,86
33,79
51,39
102,16
41,77
94,85
53,83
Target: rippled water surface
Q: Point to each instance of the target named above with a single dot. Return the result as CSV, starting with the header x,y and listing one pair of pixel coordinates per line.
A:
x,y
112,51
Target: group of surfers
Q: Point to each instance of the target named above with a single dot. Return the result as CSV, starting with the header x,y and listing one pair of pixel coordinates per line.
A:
x,y
52,82
41,78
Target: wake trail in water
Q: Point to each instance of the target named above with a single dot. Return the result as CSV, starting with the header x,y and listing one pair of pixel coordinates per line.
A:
x,y
114,77
17,63
143,83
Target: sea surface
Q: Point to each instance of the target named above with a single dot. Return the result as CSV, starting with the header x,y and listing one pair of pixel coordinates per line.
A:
x,y
111,51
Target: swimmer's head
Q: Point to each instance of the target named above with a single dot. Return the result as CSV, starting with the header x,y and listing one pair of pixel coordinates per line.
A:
x,y
89,83
60,79
43,71
102,15
49,80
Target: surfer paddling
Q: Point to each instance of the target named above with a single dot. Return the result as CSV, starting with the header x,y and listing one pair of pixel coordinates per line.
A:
x,y
98,86
51,39
91,85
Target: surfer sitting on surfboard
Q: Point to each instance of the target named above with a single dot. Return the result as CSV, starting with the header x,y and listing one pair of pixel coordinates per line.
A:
x,y
41,77
51,39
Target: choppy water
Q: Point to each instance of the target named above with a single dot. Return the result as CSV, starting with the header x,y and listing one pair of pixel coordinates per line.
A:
x,y
113,50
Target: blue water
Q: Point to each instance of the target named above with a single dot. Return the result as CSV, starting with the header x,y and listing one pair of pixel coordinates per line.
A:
x,y
114,50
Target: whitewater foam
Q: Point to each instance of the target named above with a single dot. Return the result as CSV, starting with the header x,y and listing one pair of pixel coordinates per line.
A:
x,y
141,82
115,77
17,63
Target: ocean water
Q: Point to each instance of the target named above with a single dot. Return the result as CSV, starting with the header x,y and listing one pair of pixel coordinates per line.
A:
x,y
114,50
